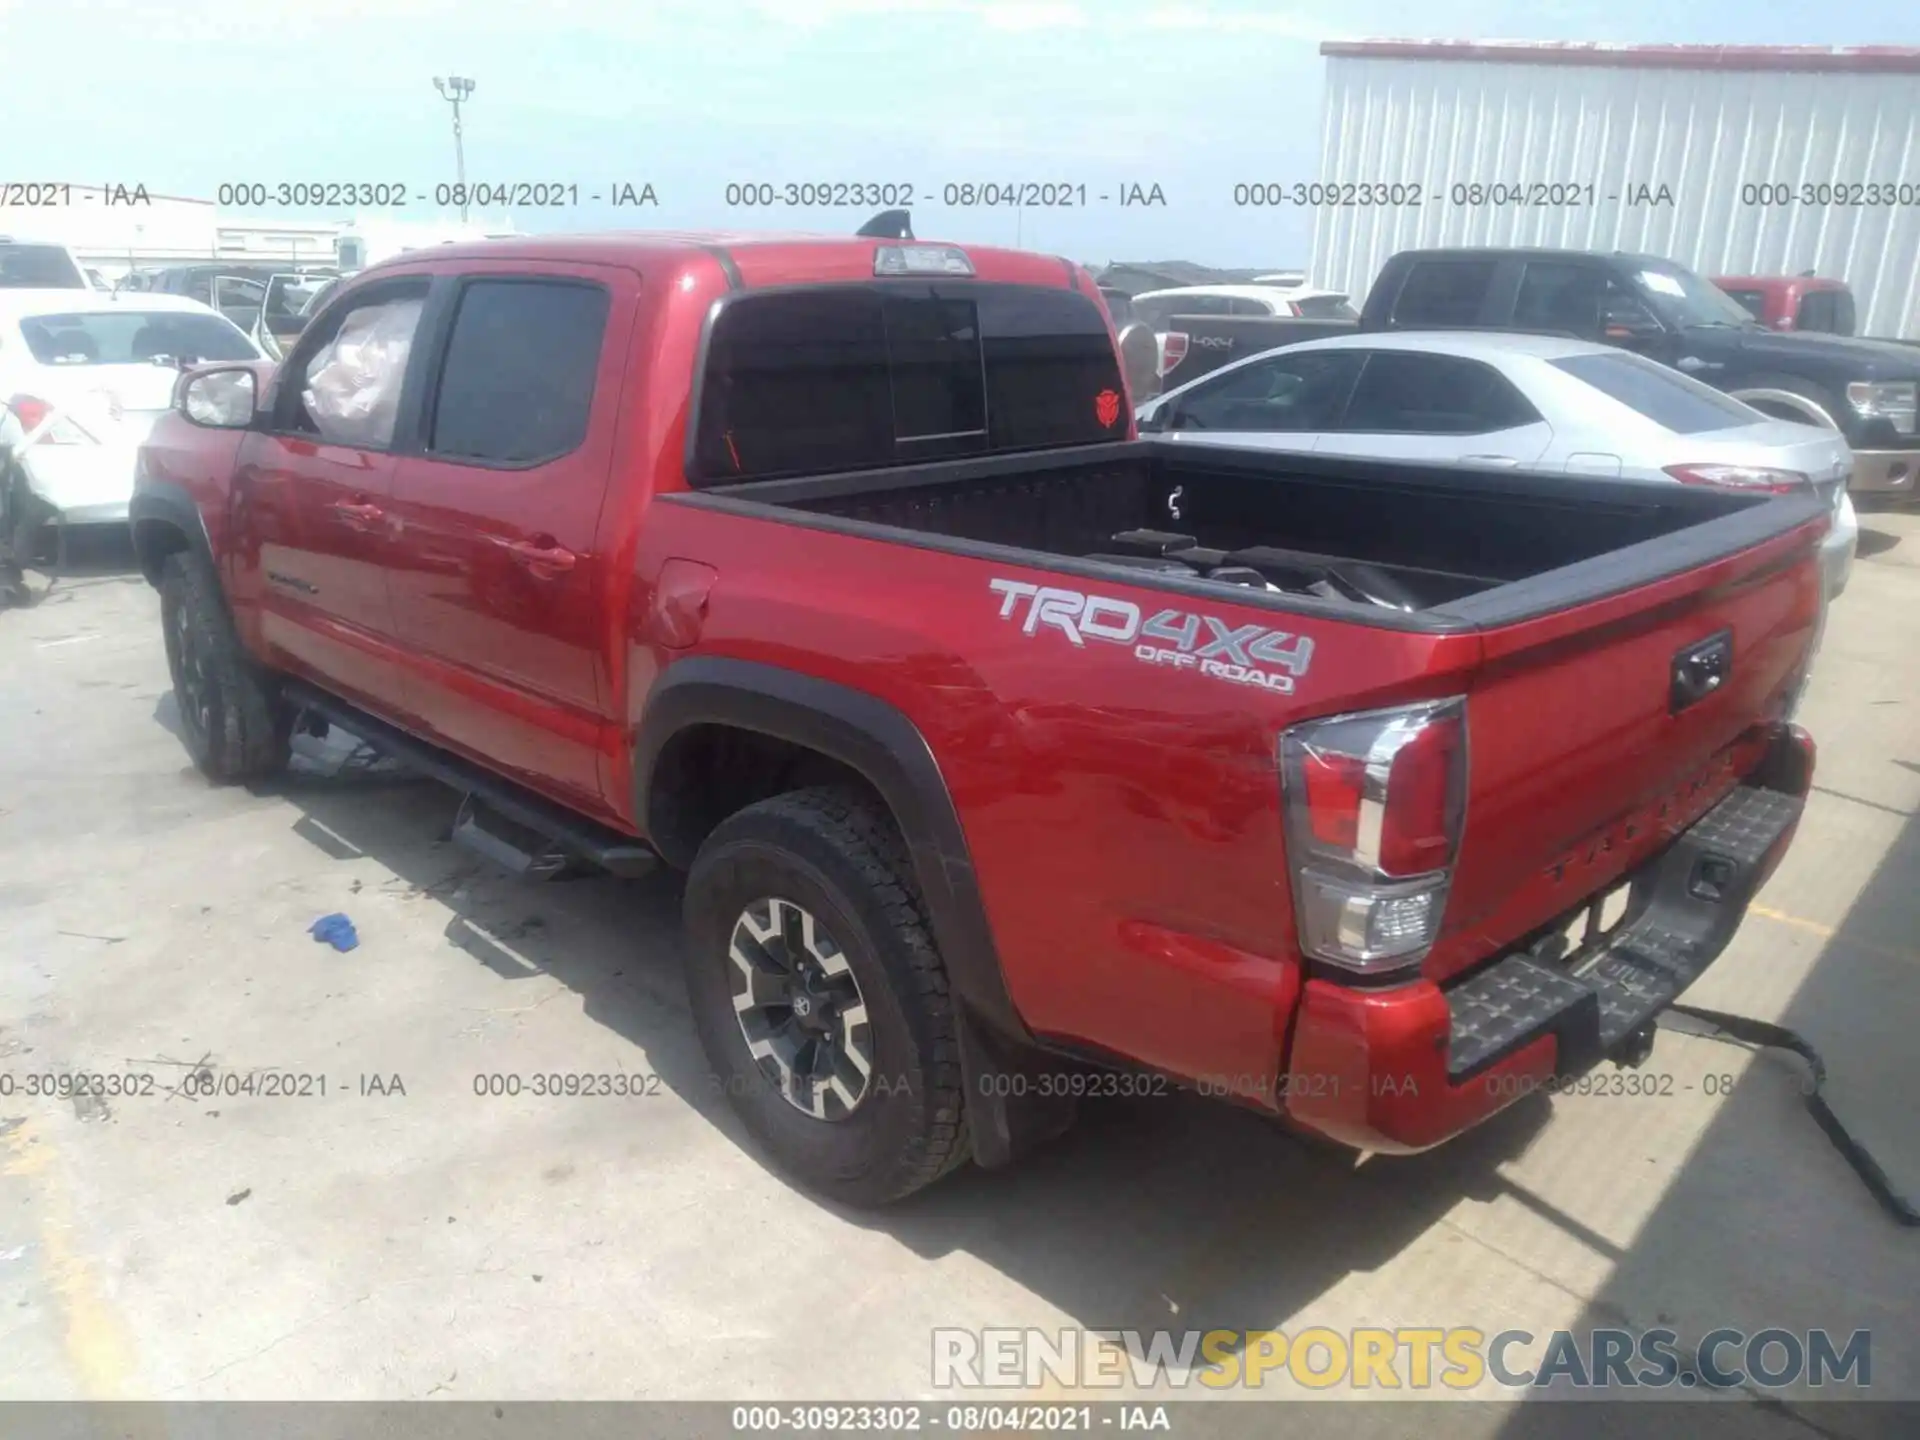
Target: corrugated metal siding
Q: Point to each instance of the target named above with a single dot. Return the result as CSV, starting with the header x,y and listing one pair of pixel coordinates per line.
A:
x,y
1703,134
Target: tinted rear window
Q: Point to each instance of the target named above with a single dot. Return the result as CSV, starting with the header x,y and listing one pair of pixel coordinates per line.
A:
x,y
133,337
1325,307
850,377
1666,397
1754,302
38,267
1826,312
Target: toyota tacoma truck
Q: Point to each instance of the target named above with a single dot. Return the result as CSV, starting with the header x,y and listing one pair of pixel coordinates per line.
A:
x,y
1004,752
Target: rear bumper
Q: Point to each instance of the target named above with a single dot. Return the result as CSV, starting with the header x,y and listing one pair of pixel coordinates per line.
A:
x,y
1406,1068
1885,472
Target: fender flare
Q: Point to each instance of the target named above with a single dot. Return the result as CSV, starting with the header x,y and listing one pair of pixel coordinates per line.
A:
x,y
1791,399
162,503
872,738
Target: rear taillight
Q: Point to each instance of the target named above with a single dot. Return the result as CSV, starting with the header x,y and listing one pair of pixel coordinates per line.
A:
x,y
33,413
1375,803
1173,350
1740,477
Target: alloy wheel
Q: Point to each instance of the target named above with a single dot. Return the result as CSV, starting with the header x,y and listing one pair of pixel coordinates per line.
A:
x,y
800,1009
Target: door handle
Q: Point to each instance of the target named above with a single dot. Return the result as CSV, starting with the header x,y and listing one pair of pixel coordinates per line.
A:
x,y
358,514
1699,670
1508,461
542,555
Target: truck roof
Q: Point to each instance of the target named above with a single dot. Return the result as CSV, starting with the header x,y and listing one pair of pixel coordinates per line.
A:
x,y
758,257
1532,252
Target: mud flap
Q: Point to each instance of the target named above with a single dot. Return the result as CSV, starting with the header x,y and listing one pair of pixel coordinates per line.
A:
x,y
1007,1112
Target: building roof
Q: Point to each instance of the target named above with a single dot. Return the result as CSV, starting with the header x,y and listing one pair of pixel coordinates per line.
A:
x,y
1858,59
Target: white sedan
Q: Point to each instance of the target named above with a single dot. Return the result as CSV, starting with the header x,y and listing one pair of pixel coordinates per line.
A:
x,y
1530,402
83,376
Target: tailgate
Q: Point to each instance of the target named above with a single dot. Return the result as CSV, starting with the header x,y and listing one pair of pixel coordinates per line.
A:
x,y
1600,730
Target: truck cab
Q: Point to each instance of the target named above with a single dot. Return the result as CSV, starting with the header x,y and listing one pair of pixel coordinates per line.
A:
x,y
1804,303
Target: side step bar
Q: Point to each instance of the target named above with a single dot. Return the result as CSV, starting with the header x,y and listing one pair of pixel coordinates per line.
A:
x,y
498,819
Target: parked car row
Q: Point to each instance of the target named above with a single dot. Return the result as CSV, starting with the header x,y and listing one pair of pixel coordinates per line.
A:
x,y
83,375
1518,402
1583,363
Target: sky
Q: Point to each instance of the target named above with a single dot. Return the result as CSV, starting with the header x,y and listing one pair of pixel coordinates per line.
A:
x,y
691,96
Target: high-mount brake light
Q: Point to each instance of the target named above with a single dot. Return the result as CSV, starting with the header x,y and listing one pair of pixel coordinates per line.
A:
x,y
921,260
1375,803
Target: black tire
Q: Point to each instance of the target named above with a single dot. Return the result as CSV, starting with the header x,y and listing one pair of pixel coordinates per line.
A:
x,y
234,723
837,855
26,522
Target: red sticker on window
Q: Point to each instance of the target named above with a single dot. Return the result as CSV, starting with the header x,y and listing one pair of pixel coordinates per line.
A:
x,y
1106,405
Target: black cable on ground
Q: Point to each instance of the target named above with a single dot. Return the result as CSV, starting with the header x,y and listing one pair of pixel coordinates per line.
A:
x,y
1761,1034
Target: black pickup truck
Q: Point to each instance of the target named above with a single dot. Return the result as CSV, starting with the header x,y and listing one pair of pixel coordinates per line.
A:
x,y
1864,388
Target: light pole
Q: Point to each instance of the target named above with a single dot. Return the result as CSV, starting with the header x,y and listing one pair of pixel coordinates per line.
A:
x,y
454,91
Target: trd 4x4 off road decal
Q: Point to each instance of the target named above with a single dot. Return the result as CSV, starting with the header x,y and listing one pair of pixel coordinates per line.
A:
x,y
1243,654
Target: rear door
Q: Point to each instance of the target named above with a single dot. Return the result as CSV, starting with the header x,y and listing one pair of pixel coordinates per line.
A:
x,y
497,573
1410,405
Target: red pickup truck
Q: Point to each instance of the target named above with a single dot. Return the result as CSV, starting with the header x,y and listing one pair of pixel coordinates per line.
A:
x,y
1009,756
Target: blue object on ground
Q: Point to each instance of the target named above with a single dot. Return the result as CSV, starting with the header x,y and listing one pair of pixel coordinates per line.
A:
x,y
336,930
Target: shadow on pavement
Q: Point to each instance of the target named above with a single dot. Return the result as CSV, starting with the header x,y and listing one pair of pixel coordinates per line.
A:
x,y
1767,1225
1874,542
1166,1212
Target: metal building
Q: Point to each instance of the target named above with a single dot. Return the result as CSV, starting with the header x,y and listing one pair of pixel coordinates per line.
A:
x,y
1731,160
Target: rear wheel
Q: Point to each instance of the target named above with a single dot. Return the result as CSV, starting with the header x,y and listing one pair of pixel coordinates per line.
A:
x,y
820,999
1809,403
232,718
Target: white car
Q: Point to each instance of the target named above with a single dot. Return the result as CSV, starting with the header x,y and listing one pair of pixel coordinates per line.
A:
x,y
42,265
1285,296
1529,402
83,376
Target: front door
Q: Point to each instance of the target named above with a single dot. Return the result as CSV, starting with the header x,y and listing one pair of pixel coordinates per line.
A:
x,y
313,488
498,581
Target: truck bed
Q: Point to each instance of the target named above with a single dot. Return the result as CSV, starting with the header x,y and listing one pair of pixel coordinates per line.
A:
x,y
1413,546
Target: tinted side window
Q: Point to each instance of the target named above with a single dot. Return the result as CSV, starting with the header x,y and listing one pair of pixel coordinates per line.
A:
x,y
1443,293
1555,296
516,385
846,377
1401,392
1754,302
1666,397
1291,393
